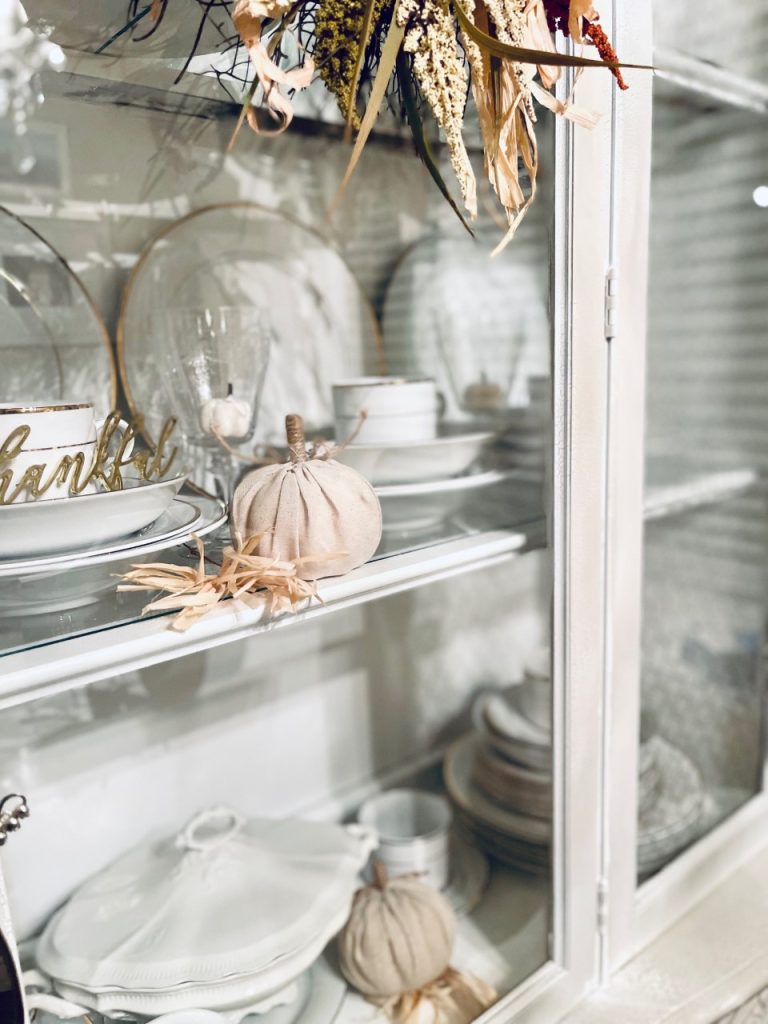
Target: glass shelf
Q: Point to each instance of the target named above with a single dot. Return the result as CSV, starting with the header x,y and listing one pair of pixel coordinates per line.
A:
x,y
65,647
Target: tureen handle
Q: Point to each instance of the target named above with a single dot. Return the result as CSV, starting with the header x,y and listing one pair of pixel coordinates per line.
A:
x,y
210,828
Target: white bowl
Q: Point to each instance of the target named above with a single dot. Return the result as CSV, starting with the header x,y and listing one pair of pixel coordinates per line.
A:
x,y
412,508
415,461
82,522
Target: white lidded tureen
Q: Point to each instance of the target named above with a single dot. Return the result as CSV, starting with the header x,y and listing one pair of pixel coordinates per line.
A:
x,y
225,915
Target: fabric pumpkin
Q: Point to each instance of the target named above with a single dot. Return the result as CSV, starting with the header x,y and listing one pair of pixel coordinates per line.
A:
x,y
309,508
399,937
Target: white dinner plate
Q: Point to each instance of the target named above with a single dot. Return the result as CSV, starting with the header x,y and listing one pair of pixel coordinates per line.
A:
x,y
422,506
41,587
457,773
415,461
54,527
241,254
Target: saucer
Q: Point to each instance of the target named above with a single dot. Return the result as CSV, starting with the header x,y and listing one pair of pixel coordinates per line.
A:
x,y
422,506
416,461
52,527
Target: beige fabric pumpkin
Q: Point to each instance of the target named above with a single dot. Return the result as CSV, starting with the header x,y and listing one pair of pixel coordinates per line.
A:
x,y
399,937
309,508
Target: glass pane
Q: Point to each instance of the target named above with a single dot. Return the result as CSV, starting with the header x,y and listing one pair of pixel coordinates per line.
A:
x,y
444,689
692,29
706,543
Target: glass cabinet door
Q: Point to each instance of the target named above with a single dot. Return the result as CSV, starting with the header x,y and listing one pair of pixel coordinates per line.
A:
x,y
446,691
694,693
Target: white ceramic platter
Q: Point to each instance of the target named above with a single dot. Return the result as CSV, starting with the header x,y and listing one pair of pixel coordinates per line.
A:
x,y
453,314
320,992
53,342
243,255
86,523
422,506
417,461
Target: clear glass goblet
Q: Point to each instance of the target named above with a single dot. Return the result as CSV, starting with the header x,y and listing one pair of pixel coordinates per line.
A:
x,y
214,360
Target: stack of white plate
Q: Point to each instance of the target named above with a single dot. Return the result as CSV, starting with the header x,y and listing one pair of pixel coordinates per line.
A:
x,y
226,916
421,484
42,542
499,778
526,438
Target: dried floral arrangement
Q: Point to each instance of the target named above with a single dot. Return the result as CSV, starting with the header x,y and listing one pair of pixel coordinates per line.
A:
x,y
431,56
427,59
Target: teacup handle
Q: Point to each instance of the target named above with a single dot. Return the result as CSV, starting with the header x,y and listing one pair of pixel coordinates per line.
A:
x,y
122,427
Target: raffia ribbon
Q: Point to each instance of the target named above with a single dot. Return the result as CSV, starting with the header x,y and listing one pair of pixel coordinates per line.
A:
x,y
248,17
453,998
243,576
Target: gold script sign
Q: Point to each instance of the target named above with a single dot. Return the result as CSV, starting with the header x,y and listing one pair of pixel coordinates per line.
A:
x,y
112,455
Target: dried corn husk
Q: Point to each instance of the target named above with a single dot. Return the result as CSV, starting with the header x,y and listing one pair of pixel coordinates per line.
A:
x,y
243,575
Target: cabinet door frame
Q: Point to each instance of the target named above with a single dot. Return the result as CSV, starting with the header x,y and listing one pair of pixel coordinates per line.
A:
x,y
576,540
634,916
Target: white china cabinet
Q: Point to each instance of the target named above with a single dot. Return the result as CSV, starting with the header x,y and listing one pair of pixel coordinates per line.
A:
x,y
638,504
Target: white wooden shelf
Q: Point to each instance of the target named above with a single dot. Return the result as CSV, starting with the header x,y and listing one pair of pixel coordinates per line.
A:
x,y
710,80
697,491
65,664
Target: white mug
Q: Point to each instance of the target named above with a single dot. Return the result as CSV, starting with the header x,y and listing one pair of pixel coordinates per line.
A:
x,y
414,833
389,410
51,425
81,459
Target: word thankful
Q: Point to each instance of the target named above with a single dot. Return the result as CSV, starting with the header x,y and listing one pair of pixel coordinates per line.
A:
x,y
112,455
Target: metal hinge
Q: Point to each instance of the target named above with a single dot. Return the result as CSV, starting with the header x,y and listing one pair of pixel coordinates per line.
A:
x,y
611,303
602,906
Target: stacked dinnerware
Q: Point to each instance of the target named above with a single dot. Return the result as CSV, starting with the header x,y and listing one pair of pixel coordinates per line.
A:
x,y
524,443
226,916
499,777
424,470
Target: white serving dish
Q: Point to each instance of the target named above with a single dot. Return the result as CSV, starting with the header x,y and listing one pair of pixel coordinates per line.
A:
x,y
272,888
314,998
415,461
81,523
423,506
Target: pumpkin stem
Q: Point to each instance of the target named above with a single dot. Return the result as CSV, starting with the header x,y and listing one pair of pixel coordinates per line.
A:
x,y
380,876
294,432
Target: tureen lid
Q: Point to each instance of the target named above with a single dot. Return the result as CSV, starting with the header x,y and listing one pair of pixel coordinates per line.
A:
x,y
225,897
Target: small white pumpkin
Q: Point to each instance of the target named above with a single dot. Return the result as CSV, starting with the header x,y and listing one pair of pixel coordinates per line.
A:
x,y
399,937
227,417
309,508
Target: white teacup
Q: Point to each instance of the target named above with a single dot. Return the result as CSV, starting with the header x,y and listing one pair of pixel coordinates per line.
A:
x,y
379,410
413,828
53,425
79,460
